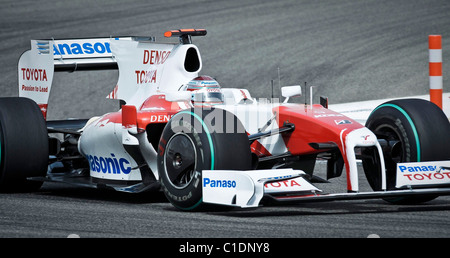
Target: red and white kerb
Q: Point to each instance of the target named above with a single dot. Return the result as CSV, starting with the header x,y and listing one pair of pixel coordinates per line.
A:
x,y
435,69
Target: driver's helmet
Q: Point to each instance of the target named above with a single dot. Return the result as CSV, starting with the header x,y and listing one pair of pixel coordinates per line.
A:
x,y
206,91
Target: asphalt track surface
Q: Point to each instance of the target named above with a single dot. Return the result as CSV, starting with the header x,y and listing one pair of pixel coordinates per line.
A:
x,y
351,50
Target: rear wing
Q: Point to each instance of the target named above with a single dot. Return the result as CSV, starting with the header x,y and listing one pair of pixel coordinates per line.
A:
x,y
81,54
37,66
145,67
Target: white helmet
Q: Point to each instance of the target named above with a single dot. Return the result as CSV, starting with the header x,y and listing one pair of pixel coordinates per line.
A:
x,y
206,91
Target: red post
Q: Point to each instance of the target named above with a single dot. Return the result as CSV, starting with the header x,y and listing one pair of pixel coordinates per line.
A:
x,y
435,69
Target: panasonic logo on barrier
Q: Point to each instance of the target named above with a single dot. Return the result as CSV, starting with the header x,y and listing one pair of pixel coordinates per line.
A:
x,y
81,49
207,182
109,165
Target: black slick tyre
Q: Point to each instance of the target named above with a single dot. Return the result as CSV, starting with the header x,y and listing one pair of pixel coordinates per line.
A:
x,y
195,140
416,130
23,144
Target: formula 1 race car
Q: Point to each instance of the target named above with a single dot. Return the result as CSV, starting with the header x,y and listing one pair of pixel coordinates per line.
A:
x,y
207,146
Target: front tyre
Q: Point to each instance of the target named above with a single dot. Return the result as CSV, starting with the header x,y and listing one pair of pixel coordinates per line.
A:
x,y
416,130
195,140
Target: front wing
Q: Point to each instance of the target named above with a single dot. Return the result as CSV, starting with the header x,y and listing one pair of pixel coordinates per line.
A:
x,y
247,189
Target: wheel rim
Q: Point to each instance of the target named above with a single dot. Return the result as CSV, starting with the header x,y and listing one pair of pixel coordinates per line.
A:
x,y
180,160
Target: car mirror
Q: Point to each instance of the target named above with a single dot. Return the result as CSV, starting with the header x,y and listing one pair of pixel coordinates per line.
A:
x,y
291,91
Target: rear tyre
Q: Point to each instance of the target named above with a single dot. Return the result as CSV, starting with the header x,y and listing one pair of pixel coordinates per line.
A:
x,y
417,130
195,140
23,144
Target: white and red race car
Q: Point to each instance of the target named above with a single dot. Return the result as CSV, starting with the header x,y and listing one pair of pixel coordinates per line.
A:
x,y
204,145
